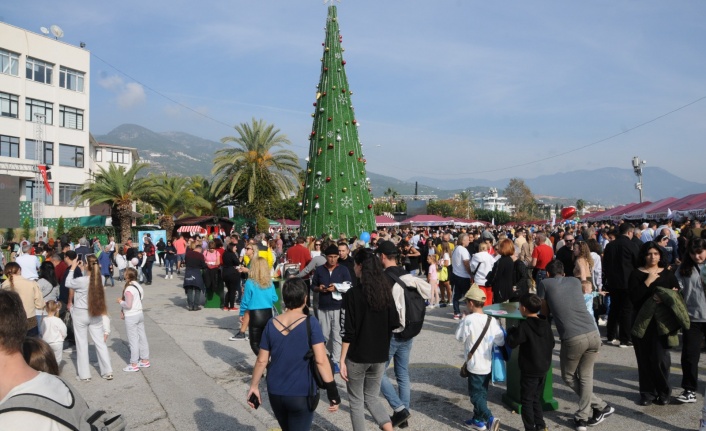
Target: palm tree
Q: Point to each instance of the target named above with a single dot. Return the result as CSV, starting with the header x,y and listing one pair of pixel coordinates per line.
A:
x,y
175,195
206,201
119,188
252,172
392,194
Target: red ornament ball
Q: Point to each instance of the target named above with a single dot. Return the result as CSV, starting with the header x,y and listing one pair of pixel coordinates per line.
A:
x,y
313,132
316,197
370,206
314,103
343,62
330,145
325,69
328,179
343,90
329,118
350,153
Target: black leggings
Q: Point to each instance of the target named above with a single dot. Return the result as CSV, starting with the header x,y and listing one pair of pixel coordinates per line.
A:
x,y
232,282
292,413
258,321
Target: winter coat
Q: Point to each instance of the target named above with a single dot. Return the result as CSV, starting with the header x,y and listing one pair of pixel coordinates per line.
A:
x,y
670,315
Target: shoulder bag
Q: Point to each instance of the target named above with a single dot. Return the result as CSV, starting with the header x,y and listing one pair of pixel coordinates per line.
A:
x,y
317,381
464,370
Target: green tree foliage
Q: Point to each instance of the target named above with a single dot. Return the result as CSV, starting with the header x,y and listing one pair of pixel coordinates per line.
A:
x,y
580,204
176,195
119,187
382,207
25,228
441,208
501,217
252,171
60,227
520,196
9,234
263,225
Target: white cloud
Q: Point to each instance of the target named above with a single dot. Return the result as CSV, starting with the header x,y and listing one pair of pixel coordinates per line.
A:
x,y
128,94
131,95
113,82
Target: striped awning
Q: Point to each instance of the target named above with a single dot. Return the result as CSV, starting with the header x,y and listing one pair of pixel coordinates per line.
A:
x,y
191,229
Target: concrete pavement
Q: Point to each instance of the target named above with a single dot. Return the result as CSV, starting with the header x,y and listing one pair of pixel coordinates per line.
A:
x,y
198,379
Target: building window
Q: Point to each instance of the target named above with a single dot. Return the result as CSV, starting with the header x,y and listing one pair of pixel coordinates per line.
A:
x,y
34,106
9,62
30,189
38,70
71,79
9,146
70,155
31,151
99,155
8,105
117,156
68,194
70,118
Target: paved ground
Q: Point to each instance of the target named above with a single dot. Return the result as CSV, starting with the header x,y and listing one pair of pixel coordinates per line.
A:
x,y
198,379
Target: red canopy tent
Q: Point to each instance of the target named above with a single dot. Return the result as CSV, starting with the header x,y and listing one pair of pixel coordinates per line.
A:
x,y
628,208
641,213
683,205
428,220
385,221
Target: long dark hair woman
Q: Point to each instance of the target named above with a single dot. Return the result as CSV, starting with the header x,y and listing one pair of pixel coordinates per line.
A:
x,y
369,316
284,345
652,349
87,315
231,275
689,276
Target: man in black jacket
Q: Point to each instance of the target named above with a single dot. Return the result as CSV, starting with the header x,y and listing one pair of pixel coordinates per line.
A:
x,y
619,260
566,254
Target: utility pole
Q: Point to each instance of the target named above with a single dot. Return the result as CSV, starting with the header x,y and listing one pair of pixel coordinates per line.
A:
x,y
637,167
38,201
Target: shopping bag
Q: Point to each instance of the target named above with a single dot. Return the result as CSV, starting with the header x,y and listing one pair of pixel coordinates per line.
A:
x,y
498,367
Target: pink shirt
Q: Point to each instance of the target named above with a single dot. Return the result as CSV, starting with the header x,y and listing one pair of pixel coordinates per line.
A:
x,y
180,246
433,275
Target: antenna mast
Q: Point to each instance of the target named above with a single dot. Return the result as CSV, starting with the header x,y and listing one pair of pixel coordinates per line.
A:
x,y
38,201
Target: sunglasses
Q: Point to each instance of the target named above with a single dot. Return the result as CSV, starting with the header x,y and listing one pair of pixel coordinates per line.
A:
x,y
317,245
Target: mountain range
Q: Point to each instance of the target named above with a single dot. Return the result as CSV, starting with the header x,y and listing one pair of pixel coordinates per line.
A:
x,y
182,153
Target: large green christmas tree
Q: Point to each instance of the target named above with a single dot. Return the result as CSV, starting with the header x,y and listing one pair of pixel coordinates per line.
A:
x,y
337,194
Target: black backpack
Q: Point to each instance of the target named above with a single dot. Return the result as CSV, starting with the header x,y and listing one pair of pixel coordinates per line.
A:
x,y
415,309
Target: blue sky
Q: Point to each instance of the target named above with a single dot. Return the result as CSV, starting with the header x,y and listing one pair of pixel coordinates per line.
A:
x,y
441,88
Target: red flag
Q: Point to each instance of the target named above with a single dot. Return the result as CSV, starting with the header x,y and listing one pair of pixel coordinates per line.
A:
x,y
43,170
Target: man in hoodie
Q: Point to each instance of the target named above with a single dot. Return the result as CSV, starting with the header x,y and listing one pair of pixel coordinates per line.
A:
x,y
536,341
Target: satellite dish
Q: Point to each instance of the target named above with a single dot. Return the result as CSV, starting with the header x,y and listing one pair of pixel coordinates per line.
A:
x,y
44,30
56,31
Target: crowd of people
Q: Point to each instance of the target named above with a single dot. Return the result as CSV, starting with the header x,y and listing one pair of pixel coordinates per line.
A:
x,y
644,283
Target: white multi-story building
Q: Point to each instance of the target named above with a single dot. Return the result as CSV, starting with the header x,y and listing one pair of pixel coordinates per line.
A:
x,y
492,202
41,75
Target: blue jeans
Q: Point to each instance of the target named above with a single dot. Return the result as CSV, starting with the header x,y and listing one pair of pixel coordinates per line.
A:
x,y
399,350
478,391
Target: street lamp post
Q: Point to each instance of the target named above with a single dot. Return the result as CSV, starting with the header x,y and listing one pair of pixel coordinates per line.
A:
x,y
637,167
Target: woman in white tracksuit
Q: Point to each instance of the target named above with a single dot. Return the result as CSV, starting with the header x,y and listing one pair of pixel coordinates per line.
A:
x,y
131,304
87,314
